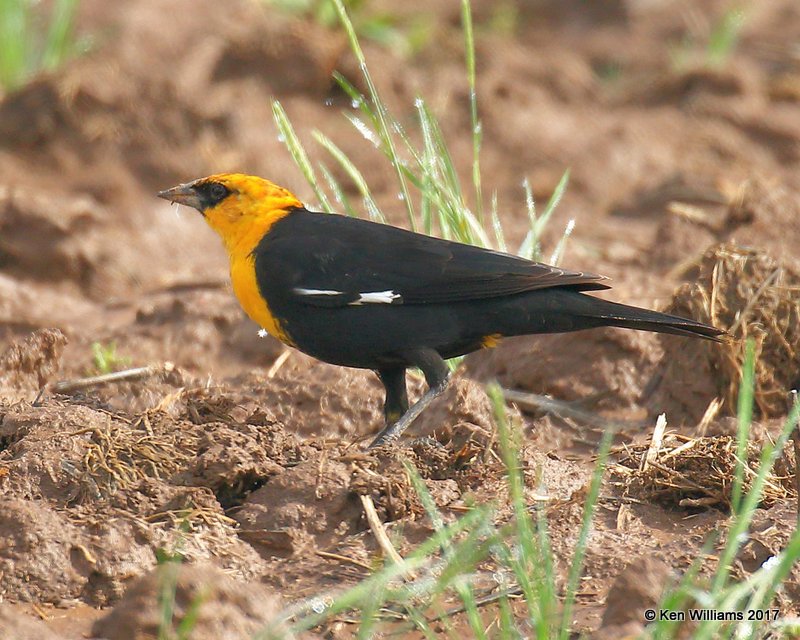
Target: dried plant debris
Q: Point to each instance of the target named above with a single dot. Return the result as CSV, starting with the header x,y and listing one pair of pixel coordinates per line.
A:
x,y
72,454
696,472
117,456
751,295
449,469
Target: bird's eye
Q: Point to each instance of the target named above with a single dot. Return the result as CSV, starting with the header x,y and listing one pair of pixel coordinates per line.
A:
x,y
217,191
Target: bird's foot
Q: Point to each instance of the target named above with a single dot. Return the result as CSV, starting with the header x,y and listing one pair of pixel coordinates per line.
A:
x,y
391,432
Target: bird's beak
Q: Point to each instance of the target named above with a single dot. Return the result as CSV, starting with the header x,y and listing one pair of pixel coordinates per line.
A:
x,y
183,194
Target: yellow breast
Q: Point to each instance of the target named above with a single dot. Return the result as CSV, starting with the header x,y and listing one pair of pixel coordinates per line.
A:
x,y
245,286
242,220
240,247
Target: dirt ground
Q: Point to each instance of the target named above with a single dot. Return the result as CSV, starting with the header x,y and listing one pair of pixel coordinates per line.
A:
x,y
685,190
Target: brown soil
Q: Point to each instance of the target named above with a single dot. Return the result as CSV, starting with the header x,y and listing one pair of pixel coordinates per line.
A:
x,y
225,611
684,188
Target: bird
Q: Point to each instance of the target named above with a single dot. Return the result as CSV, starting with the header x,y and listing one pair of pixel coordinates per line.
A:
x,y
362,294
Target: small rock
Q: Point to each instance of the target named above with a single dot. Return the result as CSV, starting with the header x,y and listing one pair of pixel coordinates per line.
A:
x,y
636,589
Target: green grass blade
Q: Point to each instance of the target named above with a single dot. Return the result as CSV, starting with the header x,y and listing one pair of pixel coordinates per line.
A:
x,y
562,242
552,203
30,43
762,584
507,626
336,189
380,108
167,587
353,597
516,561
454,218
530,244
419,621
441,154
469,47
357,99
497,226
754,593
724,37
462,586
744,419
354,174
191,618
366,132
775,571
60,41
583,537
530,247
298,153
676,598
15,44
428,166
369,612
373,138
738,531
547,581
532,567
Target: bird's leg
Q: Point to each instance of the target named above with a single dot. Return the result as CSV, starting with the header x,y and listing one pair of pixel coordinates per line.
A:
x,y
396,404
436,375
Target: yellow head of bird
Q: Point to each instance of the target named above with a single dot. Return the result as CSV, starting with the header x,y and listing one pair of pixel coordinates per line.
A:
x,y
235,205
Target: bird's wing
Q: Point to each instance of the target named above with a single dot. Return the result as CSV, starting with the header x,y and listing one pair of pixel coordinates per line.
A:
x,y
330,260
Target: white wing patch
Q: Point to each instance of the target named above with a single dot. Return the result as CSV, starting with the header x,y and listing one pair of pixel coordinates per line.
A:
x,y
376,297
333,298
317,292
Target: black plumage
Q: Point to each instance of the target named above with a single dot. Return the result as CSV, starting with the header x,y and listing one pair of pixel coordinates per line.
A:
x,y
362,294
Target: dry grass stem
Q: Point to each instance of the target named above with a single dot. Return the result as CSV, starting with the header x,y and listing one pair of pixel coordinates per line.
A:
x,y
68,386
379,531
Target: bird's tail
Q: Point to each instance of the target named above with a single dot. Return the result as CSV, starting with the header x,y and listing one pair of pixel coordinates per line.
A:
x,y
600,312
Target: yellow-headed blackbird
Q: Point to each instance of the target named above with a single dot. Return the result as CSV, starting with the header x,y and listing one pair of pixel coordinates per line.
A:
x,y
361,294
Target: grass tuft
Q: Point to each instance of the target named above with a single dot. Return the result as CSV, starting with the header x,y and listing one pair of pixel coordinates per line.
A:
x,y
106,359
428,184
31,43
405,36
714,48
